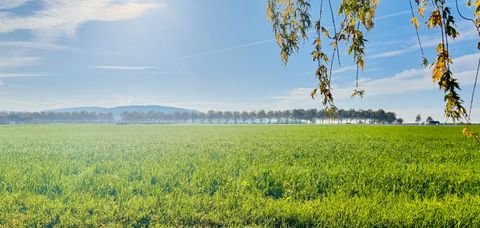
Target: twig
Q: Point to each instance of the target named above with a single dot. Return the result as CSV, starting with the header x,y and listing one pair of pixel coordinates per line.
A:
x,y
416,30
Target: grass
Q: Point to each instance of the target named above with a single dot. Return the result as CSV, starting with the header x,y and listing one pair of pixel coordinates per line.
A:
x,y
103,175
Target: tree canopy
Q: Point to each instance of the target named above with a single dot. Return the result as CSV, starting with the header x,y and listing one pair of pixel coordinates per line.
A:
x,y
291,20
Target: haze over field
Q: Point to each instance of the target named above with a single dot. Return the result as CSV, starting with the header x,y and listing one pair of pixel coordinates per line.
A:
x,y
204,55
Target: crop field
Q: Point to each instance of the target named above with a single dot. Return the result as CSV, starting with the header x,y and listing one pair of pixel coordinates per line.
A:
x,y
105,175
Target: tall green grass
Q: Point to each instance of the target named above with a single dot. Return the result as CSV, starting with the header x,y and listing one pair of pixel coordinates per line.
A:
x,y
91,175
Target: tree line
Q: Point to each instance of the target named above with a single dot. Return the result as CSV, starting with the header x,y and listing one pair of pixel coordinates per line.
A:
x,y
55,117
296,116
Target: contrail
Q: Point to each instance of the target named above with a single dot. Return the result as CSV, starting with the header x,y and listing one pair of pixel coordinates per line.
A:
x,y
227,49
256,43
393,15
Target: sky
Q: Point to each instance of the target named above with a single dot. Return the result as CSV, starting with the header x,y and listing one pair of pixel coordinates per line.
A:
x,y
208,54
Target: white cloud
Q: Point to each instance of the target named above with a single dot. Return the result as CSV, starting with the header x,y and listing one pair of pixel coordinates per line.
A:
x,y
60,18
345,69
463,69
113,67
411,80
33,45
19,75
392,53
8,4
392,15
14,62
466,30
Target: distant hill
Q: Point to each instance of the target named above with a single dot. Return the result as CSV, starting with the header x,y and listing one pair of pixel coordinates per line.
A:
x,y
121,109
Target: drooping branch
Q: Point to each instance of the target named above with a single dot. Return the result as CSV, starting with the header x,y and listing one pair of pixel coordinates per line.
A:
x,y
416,24
474,89
336,35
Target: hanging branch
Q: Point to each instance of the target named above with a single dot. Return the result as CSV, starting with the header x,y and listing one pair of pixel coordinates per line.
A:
x,y
467,132
322,70
335,31
416,24
477,27
319,32
473,91
357,91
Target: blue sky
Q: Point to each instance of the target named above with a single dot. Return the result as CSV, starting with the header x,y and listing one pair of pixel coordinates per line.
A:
x,y
204,54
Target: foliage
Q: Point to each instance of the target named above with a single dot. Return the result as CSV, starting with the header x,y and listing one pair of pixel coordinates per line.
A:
x,y
441,18
291,21
418,118
274,176
469,133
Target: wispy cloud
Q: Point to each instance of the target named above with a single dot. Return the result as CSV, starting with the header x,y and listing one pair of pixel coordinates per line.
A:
x,y
60,18
393,15
415,79
14,62
117,67
34,45
20,75
467,32
406,81
223,50
262,42
8,4
392,53
344,69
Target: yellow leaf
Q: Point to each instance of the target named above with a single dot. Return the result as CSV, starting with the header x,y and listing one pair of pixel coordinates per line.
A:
x,y
421,11
435,19
415,23
438,70
361,63
469,133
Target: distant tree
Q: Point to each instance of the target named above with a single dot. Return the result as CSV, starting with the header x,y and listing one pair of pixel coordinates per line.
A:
x,y
429,119
252,116
311,114
236,117
194,117
287,115
261,115
219,116
400,121
202,116
228,116
210,116
321,115
299,115
244,115
390,117
418,119
270,116
278,116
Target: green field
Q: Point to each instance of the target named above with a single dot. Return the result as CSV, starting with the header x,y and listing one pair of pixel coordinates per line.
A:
x,y
103,175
